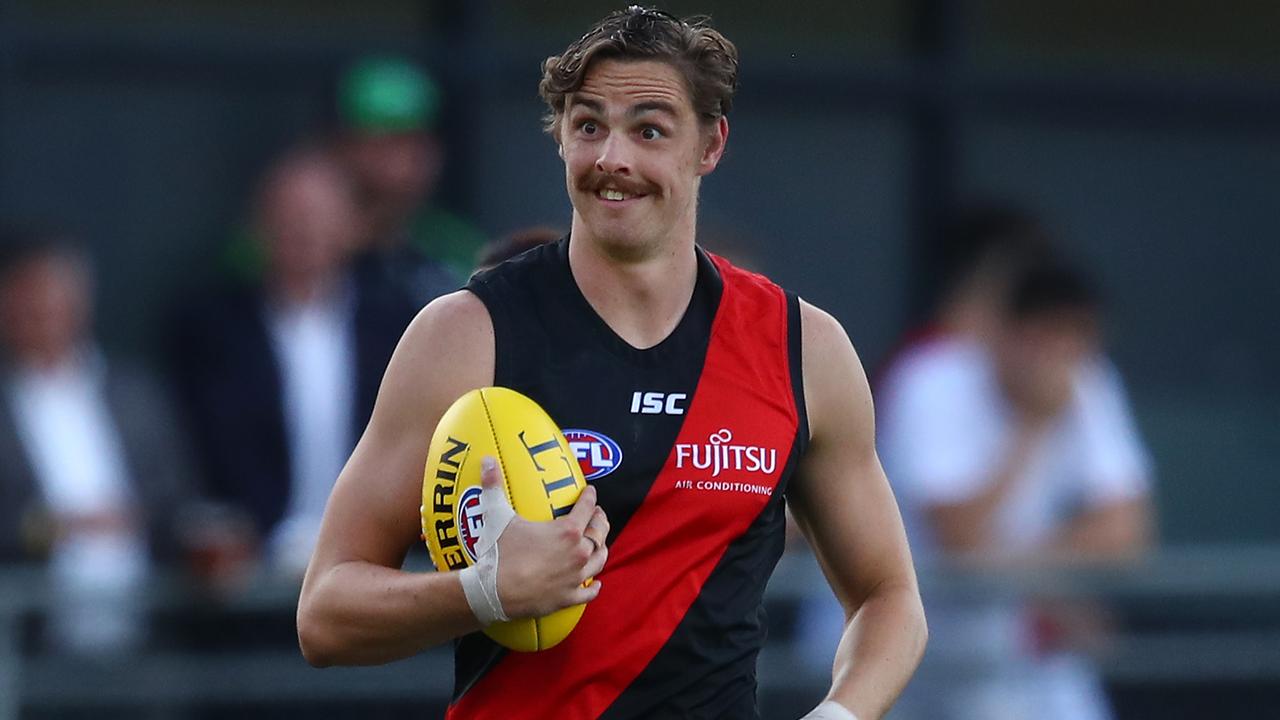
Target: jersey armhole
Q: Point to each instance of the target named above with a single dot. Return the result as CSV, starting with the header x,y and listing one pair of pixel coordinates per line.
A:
x,y
795,362
498,318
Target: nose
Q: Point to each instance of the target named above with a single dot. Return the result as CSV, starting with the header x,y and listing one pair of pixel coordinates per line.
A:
x,y
614,158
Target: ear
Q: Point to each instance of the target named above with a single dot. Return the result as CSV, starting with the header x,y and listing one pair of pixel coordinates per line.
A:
x,y
714,148
557,132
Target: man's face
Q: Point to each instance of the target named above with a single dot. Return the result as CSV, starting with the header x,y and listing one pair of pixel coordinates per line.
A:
x,y
1038,357
634,153
44,307
308,222
394,172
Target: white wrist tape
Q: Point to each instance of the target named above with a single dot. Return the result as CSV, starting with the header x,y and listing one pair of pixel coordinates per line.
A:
x,y
830,710
480,581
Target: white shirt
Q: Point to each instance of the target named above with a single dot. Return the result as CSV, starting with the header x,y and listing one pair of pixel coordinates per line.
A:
x,y
315,351
70,438
945,428
78,460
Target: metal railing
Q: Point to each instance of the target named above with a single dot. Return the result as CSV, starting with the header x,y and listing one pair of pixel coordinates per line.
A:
x,y
1190,589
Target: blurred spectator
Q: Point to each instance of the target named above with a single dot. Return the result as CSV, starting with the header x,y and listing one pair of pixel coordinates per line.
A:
x,y
387,109
499,251
280,376
984,246
982,250
92,473
1019,448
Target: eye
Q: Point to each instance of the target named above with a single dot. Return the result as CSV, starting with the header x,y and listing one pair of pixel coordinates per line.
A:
x,y
649,132
588,127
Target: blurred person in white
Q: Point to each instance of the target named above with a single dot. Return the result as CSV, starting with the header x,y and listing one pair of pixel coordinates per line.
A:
x,y
1015,449
269,370
91,467
984,247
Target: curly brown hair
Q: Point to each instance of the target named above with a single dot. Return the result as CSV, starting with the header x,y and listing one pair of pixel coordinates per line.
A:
x,y
707,60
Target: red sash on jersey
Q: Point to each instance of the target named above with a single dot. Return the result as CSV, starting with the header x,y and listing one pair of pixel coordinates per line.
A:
x,y
660,560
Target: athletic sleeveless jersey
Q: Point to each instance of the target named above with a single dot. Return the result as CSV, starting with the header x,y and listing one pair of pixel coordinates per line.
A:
x,y
690,445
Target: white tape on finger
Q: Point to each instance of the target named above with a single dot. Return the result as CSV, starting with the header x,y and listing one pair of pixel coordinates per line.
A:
x,y
480,581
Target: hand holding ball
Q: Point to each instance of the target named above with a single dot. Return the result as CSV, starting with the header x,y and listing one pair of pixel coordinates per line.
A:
x,y
529,537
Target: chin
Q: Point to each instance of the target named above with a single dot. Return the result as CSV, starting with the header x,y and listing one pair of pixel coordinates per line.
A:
x,y
622,245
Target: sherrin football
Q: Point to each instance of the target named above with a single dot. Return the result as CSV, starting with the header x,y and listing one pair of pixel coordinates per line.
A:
x,y
543,481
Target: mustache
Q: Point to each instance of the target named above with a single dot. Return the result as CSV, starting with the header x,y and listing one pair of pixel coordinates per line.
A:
x,y
599,181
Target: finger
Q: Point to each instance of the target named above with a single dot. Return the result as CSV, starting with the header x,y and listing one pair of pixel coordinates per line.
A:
x,y
595,563
490,474
495,508
583,509
585,594
597,530
600,521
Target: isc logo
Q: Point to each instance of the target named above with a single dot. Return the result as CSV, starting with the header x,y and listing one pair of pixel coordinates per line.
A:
x,y
656,403
597,453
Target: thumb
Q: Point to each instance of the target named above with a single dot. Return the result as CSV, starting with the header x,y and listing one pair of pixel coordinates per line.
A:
x,y
495,507
490,475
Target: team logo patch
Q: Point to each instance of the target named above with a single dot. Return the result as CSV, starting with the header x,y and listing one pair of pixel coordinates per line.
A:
x,y
597,453
470,520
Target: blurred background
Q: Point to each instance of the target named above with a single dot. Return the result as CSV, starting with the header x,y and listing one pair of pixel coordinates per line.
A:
x,y
1144,138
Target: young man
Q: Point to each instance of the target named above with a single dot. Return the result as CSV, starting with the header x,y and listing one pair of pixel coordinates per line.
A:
x,y
722,393
1017,447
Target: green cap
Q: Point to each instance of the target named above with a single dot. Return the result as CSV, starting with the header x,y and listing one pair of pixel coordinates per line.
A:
x,y
387,95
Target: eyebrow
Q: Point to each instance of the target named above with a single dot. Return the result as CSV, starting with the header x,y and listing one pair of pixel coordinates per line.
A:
x,y
652,106
634,111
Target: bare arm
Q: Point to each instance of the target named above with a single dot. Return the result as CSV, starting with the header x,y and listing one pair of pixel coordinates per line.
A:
x,y
843,503
1115,531
357,607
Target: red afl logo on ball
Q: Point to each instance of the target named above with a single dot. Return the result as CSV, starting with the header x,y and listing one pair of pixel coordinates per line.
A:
x,y
470,520
597,453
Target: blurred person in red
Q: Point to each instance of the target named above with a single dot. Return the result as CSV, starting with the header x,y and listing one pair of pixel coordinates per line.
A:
x,y
278,375
1015,449
387,109
93,469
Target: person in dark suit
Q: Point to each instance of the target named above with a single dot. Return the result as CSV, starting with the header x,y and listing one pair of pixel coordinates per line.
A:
x,y
93,469
278,376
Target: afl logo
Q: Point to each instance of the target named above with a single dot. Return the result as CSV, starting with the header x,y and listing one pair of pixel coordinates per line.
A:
x,y
598,454
470,520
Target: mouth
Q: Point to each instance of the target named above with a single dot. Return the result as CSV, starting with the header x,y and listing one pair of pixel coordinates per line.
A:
x,y
614,195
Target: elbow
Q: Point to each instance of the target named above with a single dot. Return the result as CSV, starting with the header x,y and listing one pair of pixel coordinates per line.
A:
x,y
915,625
315,640
922,631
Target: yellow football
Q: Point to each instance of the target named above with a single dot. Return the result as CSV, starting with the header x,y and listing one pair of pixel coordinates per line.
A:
x,y
543,480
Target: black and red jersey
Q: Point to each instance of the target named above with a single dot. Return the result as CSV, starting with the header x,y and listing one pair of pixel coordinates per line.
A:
x,y
690,445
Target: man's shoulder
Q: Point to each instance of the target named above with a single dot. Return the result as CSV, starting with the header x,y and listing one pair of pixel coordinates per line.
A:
x,y
458,309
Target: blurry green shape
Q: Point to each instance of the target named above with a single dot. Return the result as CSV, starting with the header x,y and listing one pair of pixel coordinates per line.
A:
x,y
387,95
449,239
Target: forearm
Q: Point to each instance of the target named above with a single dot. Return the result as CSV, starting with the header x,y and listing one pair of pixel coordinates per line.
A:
x,y
880,649
1117,532
967,526
359,613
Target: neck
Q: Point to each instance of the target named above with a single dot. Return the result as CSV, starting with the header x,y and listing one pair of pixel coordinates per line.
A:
x,y
641,295
47,359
